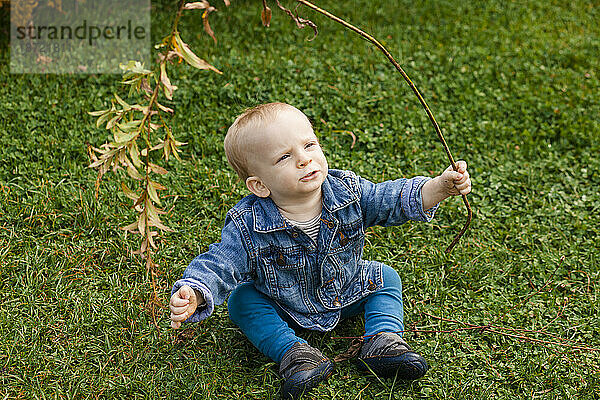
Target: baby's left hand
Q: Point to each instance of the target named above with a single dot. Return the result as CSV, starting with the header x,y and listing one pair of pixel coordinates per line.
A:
x,y
455,183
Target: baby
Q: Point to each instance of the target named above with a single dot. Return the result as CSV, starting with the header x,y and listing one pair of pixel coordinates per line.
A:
x,y
290,255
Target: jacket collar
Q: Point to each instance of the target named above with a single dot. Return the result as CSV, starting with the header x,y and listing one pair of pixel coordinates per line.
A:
x,y
336,195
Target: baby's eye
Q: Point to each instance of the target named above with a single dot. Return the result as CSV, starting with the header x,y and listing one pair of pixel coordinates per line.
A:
x,y
310,144
283,157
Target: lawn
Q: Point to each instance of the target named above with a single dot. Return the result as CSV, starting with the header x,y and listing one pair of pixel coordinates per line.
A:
x,y
514,87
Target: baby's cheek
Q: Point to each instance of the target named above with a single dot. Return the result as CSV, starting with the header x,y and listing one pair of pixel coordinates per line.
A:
x,y
325,164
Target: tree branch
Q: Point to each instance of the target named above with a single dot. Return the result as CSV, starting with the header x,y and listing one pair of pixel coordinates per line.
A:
x,y
414,89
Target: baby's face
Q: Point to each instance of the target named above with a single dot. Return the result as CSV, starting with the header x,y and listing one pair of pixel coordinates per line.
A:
x,y
287,158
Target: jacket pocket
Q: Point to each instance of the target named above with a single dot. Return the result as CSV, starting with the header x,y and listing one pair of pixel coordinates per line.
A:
x,y
280,258
284,269
348,238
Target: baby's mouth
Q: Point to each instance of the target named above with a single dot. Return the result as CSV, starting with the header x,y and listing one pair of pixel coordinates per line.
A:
x,y
308,176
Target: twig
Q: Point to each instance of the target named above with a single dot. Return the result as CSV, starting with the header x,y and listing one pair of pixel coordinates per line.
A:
x,y
498,330
150,265
515,333
526,299
531,339
416,92
300,22
470,328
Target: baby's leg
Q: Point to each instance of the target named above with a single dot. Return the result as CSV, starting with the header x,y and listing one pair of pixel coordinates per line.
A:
x,y
383,309
264,323
384,352
260,318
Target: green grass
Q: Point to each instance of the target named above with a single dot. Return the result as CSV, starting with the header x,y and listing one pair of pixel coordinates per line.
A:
x,y
514,86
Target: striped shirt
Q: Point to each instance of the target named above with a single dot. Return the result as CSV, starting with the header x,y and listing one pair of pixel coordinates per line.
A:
x,y
310,227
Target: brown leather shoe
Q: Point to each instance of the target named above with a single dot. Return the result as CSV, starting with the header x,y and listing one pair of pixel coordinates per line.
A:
x,y
387,354
303,367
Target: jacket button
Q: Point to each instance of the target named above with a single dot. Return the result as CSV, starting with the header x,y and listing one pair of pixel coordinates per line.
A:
x,y
372,285
294,234
343,241
280,260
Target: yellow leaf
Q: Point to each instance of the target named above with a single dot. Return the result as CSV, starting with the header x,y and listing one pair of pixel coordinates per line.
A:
x,y
165,108
174,149
134,67
167,149
144,152
168,88
128,192
131,227
153,195
160,225
129,126
158,169
122,103
102,119
138,204
135,154
98,113
141,223
152,211
133,172
113,121
122,137
197,5
188,55
150,234
96,163
157,185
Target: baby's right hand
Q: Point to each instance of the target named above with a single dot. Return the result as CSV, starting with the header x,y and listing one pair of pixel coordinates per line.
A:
x,y
183,304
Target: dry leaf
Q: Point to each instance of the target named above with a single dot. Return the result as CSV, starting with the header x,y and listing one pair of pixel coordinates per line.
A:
x,y
164,108
185,335
166,82
184,51
159,170
265,16
145,86
207,28
198,5
351,352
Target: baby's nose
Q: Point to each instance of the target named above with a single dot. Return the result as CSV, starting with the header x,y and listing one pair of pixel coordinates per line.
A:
x,y
303,160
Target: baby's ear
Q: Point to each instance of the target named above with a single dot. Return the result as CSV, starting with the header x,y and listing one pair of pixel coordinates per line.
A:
x,y
256,186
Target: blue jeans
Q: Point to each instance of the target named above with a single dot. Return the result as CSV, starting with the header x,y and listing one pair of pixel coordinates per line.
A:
x,y
271,329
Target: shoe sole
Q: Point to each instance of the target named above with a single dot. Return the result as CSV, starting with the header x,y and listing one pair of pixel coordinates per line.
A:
x,y
408,366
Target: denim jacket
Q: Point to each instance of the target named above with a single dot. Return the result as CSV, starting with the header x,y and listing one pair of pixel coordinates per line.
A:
x,y
311,281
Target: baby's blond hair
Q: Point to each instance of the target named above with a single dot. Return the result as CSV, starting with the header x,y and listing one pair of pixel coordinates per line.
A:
x,y
251,120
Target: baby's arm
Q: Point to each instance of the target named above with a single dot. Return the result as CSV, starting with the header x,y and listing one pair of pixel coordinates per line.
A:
x,y
212,275
449,183
184,303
